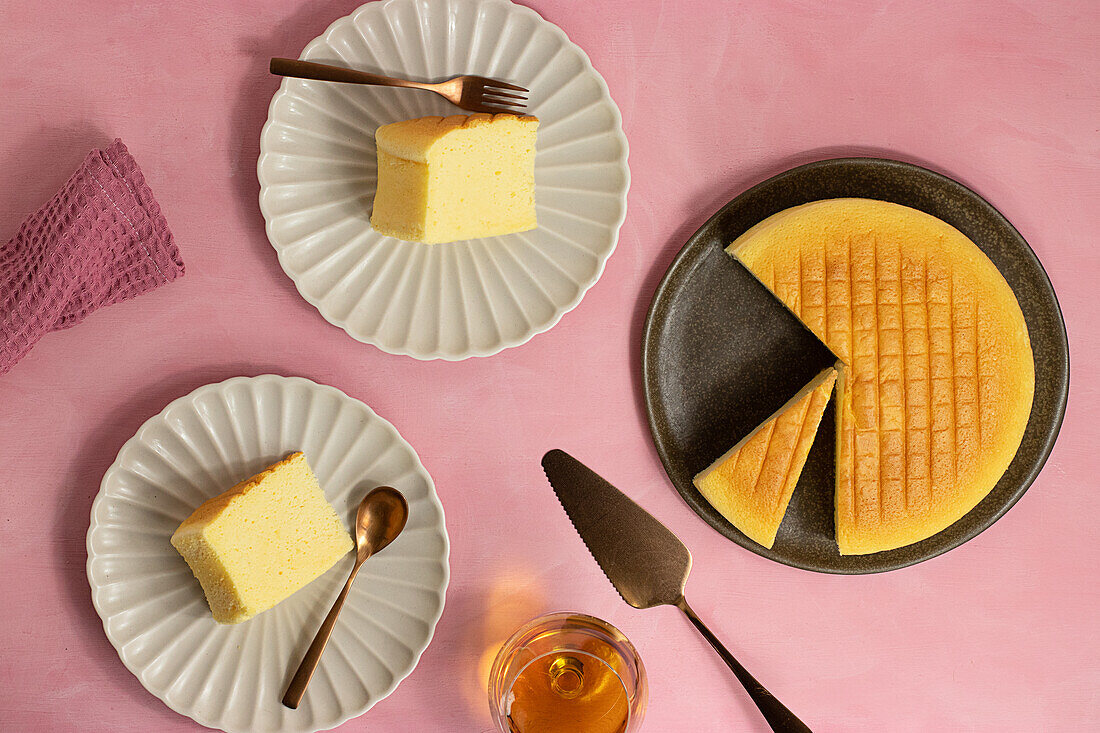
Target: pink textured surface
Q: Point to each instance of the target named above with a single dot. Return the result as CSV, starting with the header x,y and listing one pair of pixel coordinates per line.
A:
x,y
100,240
998,635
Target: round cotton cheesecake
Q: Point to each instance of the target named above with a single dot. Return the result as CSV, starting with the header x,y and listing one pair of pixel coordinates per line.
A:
x,y
938,376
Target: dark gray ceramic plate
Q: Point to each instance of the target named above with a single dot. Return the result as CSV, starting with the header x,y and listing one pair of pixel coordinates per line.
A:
x,y
720,354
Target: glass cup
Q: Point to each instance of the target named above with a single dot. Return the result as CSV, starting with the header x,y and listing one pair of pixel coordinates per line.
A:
x,y
567,672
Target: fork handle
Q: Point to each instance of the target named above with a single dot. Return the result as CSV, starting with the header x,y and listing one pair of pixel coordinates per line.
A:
x,y
324,72
776,713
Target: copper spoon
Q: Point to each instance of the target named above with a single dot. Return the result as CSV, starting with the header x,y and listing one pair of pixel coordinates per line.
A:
x,y
381,517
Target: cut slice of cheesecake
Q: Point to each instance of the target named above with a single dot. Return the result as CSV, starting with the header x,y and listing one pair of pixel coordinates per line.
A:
x,y
752,483
938,376
443,179
257,543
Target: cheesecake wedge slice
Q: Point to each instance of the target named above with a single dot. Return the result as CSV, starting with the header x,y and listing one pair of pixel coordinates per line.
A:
x,y
257,543
443,179
751,485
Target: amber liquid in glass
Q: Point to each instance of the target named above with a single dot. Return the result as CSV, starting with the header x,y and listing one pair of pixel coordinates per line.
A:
x,y
566,674
568,692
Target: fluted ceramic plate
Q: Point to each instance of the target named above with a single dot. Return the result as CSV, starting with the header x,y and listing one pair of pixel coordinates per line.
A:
x,y
445,301
153,609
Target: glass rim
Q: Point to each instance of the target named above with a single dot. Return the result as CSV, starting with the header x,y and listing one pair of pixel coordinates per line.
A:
x,y
544,617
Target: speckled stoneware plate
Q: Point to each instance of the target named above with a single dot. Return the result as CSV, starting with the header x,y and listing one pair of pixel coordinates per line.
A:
x,y
719,355
451,301
153,609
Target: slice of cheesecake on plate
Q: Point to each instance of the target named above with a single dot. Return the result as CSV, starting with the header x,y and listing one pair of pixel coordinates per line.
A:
x,y
257,543
443,179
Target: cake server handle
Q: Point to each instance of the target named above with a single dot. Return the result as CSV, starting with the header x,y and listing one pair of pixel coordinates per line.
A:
x,y
776,713
300,681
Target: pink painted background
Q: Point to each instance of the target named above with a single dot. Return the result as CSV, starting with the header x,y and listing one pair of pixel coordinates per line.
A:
x,y
999,635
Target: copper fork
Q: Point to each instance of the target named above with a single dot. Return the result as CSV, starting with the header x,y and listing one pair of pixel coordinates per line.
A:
x,y
474,93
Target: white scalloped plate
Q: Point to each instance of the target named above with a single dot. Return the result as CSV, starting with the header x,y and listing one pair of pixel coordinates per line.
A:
x,y
153,609
444,301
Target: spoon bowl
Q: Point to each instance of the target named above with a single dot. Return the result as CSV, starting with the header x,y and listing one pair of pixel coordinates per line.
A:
x,y
381,517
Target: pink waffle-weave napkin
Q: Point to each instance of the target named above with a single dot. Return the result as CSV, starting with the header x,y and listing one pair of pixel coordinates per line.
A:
x,y
100,240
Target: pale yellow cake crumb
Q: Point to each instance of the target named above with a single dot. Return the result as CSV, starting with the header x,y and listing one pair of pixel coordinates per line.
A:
x,y
257,543
443,179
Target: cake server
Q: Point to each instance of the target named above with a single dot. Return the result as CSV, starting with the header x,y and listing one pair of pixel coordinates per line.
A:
x,y
647,564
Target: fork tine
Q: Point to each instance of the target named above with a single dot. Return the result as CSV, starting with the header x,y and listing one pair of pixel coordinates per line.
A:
x,y
506,106
506,95
494,110
504,85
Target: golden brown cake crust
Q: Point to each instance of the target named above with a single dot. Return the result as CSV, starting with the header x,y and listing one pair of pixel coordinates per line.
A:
x,y
411,139
939,374
215,504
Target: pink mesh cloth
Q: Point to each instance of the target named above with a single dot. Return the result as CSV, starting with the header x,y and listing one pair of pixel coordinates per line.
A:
x,y
100,240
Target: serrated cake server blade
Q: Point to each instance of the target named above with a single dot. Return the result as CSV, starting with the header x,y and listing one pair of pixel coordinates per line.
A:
x,y
644,560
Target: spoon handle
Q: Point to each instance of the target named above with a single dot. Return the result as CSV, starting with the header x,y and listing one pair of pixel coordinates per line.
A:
x,y
298,685
776,713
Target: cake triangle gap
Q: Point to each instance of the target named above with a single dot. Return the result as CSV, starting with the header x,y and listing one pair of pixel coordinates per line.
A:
x,y
752,483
